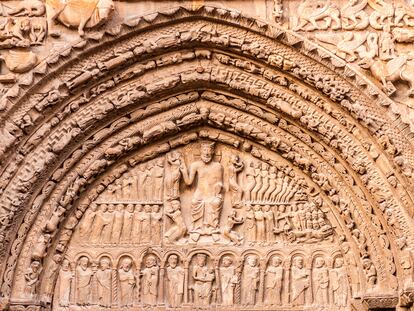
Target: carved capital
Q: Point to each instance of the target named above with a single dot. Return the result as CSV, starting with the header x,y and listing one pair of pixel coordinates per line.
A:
x,y
373,302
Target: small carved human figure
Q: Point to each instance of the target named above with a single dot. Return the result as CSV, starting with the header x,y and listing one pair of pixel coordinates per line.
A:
x,y
321,282
64,283
228,231
156,224
108,221
158,177
300,282
83,281
207,198
98,223
174,282
139,216
178,228
339,283
85,226
250,280
370,272
39,248
103,278
250,182
273,281
250,224
127,224
228,281
203,278
172,180
258,181
32,278
260,223
127,282
265,182
118,219
269,222
146,224
234,187
150,281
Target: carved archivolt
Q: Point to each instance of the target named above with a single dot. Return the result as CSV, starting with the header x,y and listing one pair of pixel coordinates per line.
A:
x,y
203,162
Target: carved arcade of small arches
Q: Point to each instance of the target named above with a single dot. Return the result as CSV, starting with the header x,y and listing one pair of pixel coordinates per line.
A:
x,y
187,160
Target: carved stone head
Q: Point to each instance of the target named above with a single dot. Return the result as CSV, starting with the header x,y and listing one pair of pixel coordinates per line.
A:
x,y
275,261
339,262
201,260
173,261
251,260
84,262
104,263
227,261
126,264
207,151
319,262
298,262
150,261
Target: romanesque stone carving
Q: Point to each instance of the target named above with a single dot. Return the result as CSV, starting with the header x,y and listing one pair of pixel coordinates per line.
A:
x,y
80,14
276,174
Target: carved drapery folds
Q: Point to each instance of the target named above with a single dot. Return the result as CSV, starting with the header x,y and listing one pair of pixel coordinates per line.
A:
x,y
197,167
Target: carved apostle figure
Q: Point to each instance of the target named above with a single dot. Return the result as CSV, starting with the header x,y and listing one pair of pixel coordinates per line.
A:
x,y
87,221
118,220
274,281
174,282
158,177
64,283
228,281
300,282
156,224
127,224
32,278
172,180
146,224
203,277
178,228
339,283
234,170
250,280
321,282
126,283
139,216
260,223
207,198
103,278
83,281
150,281
250,224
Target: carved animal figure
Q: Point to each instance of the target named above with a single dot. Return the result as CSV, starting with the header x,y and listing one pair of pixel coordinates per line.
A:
x,y
382,11
78,13
398,68
310,11
404,13
353,15
351,44
24,8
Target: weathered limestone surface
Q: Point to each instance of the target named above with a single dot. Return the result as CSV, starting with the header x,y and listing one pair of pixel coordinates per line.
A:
x,y
216,155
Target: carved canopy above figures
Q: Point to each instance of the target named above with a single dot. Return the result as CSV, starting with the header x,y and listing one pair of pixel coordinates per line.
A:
x,y
197,158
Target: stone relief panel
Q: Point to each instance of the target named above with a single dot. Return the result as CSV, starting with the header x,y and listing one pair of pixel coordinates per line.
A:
x,y
204,225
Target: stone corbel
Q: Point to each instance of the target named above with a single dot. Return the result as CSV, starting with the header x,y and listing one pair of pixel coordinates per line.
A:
x,y
407,297
379,302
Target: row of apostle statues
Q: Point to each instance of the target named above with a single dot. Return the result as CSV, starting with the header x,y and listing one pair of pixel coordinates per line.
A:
x,y
246,281
123,223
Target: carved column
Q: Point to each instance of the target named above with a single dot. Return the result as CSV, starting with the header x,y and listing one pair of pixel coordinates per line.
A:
x,y
260,299
114,288
186,289
161,284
